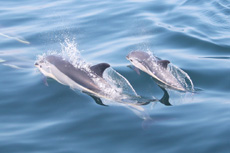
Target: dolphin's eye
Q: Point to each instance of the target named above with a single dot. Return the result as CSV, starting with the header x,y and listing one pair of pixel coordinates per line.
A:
x,y
40,66
131,60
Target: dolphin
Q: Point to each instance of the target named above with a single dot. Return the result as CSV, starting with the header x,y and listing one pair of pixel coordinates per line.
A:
x,y
64,72
155,67
89,80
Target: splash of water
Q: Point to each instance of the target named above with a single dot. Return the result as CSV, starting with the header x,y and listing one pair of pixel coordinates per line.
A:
x,y
70,52
182,77
119,81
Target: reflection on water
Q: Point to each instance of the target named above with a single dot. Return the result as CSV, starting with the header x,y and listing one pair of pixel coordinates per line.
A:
x,y
217,57
15,38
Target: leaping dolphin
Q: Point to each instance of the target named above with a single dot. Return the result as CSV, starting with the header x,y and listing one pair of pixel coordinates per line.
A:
x,y
65,73
77,78
154,67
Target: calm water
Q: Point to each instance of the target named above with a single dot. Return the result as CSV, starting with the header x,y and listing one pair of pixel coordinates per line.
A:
x,y
194,35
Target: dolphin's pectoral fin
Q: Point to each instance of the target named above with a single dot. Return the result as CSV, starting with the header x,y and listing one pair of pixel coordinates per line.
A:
x,y
45,81
164,63
137,70
165,99
144,101
97,100
99,68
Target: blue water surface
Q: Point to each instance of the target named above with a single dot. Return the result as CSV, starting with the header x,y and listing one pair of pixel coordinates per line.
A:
x,y
194,35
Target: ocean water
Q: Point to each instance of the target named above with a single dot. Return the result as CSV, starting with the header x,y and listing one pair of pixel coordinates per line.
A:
x,y
194,35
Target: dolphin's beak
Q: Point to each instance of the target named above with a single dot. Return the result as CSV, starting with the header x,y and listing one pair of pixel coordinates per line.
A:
x,y
127,57
36,64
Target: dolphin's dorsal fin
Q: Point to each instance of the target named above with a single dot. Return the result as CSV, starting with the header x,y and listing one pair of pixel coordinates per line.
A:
x,y
164,63
99,68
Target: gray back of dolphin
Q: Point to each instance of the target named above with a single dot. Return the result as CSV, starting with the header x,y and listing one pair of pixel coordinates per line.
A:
x,y
80,76
145,59
140,55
